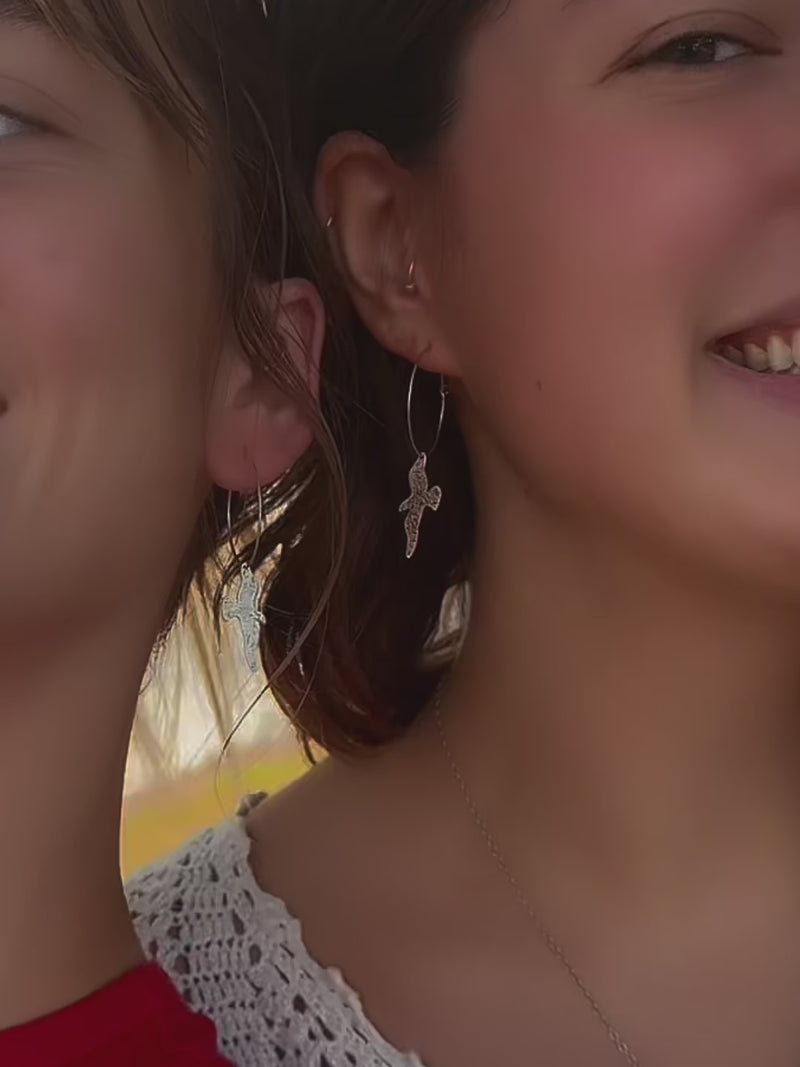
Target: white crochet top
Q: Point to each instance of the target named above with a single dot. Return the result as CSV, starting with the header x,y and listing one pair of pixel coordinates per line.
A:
x,y
237,955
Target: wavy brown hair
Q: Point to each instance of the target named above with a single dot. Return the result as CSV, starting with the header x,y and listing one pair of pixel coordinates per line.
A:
x,y
367,666
351,624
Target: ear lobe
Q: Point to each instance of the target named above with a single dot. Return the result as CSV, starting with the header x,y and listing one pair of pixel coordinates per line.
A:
x,y
261,419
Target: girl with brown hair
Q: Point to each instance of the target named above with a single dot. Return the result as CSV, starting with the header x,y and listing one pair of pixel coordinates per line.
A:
x,y
566,237
154,374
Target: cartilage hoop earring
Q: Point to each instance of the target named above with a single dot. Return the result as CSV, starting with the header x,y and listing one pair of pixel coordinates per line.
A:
x,y
422,495
411,282
243,608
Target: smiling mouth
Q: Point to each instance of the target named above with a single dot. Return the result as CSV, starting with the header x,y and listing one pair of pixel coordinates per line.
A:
x,y
765,350
769,346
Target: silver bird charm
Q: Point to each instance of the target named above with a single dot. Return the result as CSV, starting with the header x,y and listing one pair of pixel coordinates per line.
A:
x,y
244,610
421,497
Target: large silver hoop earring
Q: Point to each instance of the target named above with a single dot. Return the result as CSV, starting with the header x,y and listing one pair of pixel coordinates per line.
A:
x,y
422,495
243,608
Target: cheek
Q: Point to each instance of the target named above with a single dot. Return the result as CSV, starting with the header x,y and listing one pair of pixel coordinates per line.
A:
x,y
102,362
594,261
577,275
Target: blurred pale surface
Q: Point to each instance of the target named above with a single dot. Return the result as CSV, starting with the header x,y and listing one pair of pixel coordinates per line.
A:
x,y
196,693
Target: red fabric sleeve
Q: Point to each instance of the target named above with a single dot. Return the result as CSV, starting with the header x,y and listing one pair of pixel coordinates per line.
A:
x,y
137,1021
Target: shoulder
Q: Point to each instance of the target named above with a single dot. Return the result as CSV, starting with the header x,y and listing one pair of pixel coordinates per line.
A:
x,y
237,955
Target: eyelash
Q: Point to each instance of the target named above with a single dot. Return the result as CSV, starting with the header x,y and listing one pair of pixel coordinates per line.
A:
x,y
660,56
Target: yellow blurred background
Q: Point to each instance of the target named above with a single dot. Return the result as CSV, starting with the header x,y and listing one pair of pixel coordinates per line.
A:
x,y
158,820
197,694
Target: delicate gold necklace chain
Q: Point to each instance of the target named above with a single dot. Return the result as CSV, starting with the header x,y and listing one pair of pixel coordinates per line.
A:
x,y
614,1036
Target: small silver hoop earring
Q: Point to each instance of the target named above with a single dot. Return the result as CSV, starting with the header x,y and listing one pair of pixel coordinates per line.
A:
x,y
422,495
411,282
243,609
329,222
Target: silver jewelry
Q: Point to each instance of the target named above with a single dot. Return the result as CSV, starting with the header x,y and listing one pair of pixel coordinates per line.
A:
x,y
411,281
613,1034
422,495
243,609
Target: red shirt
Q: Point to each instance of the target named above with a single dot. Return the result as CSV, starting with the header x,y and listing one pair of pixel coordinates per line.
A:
x,y
137,1021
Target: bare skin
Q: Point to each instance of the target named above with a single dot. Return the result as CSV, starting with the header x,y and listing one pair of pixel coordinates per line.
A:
x,y
625,707
661,849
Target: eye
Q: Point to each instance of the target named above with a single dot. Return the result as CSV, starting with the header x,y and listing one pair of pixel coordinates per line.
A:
x,y
698,50
13,124
11,127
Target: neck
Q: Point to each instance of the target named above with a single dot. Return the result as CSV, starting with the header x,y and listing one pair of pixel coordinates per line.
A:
x,y
64,731
645,720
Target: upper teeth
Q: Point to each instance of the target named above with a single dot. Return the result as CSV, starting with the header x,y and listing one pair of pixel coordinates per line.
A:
x,y
779,355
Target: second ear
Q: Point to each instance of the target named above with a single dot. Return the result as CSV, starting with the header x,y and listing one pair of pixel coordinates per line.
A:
x,y
262,416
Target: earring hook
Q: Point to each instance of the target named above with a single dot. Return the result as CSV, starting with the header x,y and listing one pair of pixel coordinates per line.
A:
x,y
259,528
